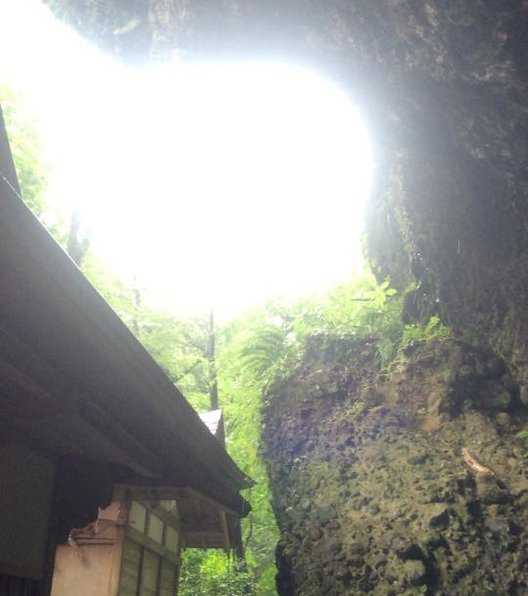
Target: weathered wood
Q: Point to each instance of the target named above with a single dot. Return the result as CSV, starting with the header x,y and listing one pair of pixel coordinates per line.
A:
x,y
225,532
91,576
145,541
24,520
205,539
131,563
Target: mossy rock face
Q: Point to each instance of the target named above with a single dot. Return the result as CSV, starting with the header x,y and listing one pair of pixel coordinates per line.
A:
x,y
388,497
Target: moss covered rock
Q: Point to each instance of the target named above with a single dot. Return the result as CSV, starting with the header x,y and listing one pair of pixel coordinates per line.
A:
x,y
421,492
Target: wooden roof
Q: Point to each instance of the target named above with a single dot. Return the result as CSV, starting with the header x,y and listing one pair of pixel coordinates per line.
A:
x,y
75,381
203,522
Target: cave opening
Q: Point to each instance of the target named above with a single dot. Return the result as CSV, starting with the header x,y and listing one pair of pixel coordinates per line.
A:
x,y
262,166
444,87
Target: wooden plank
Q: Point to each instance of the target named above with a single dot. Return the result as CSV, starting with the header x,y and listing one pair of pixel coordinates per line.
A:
x,y
190,501
24,519
150,544
149,574
117,560
89,576
204,539
225,531
76,436
168,578
130,564
193,493
34,373
49,391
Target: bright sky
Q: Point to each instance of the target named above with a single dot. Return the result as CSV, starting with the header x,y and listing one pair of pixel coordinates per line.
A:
x,y
218,184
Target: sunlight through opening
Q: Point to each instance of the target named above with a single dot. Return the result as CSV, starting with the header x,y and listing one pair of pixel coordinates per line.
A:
x,y
218,184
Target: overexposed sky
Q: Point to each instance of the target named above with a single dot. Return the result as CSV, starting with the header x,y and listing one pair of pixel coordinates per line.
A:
x,y
219,184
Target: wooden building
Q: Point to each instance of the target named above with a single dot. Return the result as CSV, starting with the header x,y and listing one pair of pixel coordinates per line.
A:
x,y
91,427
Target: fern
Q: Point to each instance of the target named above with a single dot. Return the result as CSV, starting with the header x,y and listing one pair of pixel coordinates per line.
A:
x,y
434,329
264,351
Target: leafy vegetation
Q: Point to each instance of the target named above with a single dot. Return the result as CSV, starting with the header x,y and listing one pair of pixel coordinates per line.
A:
x,y
26,149
434,329
208,574
274,338
252,349
32,169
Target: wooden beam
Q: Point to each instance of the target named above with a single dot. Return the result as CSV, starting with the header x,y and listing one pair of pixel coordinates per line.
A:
x,y
225,531
189,492
203,539
71,434
144,540
167,493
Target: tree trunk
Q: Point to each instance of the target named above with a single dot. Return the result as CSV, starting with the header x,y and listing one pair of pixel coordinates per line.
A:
x,y
78,243
211,358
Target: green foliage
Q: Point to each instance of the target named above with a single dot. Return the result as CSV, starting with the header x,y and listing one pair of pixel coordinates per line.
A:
x,y
264,349
523,434
251,350
275,340
213,574
433,330
178,346
241,380
26,149
28,156
275,337
359,309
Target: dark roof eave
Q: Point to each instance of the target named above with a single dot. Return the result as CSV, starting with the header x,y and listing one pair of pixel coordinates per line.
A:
x,y
67,321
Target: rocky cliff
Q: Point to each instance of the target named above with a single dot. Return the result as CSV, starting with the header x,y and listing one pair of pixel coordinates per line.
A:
x,y
405,483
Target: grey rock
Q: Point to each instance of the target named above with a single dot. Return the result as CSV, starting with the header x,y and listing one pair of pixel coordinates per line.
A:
x,y
414,572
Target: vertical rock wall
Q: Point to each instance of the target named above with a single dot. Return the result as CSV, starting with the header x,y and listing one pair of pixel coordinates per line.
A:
x,y
406,484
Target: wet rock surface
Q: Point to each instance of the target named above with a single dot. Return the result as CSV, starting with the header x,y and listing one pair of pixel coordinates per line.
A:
x,y
385,496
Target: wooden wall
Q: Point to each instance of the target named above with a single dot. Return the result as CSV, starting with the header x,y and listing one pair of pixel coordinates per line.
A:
x,y
26,491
